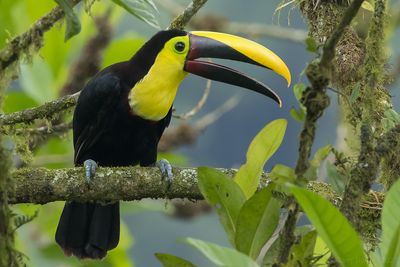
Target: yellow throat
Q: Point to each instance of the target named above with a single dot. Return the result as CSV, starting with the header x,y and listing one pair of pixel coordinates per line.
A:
x,y
152,97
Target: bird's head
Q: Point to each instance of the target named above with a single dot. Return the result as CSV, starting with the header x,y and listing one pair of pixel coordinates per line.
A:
x,y
178,53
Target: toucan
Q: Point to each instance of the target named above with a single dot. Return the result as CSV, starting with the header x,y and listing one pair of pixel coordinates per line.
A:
x,y
123,110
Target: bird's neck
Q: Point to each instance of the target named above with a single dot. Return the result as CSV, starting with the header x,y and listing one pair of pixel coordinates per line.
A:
x,y
151,98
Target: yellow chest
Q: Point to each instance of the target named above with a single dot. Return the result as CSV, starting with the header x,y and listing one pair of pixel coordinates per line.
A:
x,y
152,97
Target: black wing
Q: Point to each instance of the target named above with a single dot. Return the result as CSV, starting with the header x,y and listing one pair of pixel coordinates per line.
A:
x,y
97,99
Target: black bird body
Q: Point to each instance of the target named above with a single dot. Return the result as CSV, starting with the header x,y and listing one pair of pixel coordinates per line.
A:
x,y
107,131
123,111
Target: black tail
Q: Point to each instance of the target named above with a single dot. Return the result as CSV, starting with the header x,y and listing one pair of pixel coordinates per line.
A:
x,y
88,230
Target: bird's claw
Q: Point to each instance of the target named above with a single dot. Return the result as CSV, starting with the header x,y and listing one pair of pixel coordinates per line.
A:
x,y
90,168
166,170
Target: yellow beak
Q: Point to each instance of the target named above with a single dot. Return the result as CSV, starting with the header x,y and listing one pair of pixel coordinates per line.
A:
x,y
250,51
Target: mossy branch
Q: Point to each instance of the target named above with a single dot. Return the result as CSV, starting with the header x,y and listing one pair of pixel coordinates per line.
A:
x,y
56,106
365,171
41,185
181,20
316,101
21,44
45,111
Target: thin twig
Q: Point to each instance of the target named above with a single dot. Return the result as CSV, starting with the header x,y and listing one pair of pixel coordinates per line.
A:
x,y
198,106
186,134
211,117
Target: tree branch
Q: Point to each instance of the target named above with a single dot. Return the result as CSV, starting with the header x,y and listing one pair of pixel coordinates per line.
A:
x,y
181,20
49,109
316,101
40,185
33,37
45,111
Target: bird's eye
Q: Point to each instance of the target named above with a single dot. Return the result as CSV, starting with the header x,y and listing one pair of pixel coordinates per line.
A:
x,y
180,46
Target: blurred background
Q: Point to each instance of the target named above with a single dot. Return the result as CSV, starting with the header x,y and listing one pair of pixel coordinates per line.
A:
x,y
153,226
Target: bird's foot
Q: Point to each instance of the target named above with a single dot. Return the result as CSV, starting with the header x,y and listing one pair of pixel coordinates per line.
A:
x,y
166,170
90,168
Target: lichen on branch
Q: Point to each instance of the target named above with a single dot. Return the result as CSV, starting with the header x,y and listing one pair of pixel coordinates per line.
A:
x,y
315,99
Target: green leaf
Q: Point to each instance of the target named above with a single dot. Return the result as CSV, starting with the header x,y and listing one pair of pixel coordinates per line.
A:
x,y
315,163
297,114
221,256
301,253
321,252
256,222
311,45
169,260
367,6
355,93
140,9
391,119
263,146
224,194
392,115
335,178
298,90
390,246
282,174
73,24
333,227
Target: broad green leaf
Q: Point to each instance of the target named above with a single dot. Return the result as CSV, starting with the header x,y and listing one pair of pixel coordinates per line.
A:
x,y
223,194
315,163
301,253
169,260
333,227
221,256
390,246
73,24
263,146
140,9
334,178
282,174
257,222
